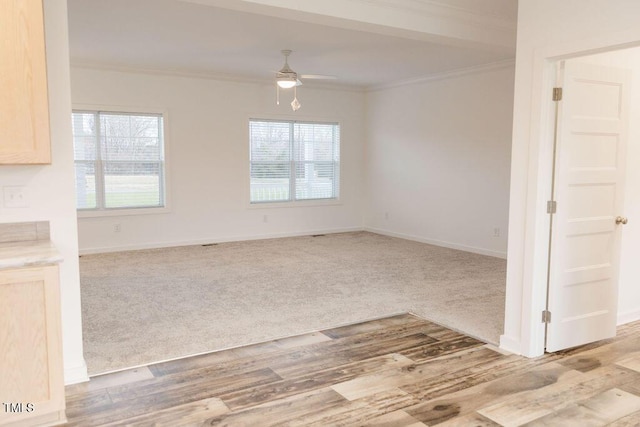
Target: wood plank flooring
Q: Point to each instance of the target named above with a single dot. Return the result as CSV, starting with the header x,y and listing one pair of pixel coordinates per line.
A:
x,y
397,371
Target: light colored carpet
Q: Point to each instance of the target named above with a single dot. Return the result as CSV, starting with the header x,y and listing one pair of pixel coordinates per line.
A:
x,y
145,306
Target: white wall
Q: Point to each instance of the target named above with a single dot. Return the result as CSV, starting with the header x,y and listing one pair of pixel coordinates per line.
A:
x,y
437,157
629,291
547,30
208,160
50,189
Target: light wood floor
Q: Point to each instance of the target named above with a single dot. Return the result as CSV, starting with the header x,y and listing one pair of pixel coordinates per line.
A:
x,y
398,371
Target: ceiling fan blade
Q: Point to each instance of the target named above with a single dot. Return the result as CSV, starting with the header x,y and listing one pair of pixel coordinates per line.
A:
x,y
318,77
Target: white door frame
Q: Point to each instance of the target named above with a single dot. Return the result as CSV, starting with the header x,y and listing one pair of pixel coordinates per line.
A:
x,y
527,269
575,267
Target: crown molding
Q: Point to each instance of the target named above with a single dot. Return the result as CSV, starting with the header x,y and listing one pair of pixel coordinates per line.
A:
x,y
459,72
174,72
206,75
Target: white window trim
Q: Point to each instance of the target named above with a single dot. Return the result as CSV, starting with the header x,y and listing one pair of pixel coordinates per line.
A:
x,y
296,204
336,201
90,213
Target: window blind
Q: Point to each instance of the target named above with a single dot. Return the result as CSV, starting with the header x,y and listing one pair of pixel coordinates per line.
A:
x,y
292,161
119,159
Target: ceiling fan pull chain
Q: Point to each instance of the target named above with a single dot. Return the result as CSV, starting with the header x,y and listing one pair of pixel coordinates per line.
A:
x,y
295,104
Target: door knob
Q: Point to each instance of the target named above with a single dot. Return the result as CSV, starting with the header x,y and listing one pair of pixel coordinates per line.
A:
x,y
621,220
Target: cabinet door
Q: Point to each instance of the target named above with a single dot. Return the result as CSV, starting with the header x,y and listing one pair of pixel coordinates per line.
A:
x,y
24,106
30,347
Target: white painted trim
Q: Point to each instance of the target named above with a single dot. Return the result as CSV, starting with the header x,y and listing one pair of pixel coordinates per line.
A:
x,y
90,213
534,279
509,344
310,203
528,257
209,75
205,241
76,374
123,68
206,75
158,245
450,245
166,142
124,109
459,72
628,317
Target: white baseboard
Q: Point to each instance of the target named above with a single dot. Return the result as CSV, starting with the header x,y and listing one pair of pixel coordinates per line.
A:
x,y
76,374
509,344
513,346
628,317
204,241
434,242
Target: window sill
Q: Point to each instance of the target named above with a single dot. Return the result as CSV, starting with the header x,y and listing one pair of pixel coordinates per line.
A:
x,y
297,204
122,212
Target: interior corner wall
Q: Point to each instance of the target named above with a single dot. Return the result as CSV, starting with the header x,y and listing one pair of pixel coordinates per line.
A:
x,y
438,159
50,189
208,159
547,29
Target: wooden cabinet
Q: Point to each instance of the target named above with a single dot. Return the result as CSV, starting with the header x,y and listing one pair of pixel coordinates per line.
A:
x,y
31,370
24,105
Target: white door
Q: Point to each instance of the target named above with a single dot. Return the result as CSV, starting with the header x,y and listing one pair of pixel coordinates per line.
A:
x,y
589,176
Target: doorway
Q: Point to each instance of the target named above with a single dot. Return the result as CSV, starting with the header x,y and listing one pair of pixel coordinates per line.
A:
x,y
577,329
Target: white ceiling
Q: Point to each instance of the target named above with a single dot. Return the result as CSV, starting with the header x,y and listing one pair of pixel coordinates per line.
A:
x,y
187,36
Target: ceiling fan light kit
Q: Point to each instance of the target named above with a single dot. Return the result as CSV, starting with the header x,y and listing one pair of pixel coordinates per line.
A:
x,y
286,84
286,78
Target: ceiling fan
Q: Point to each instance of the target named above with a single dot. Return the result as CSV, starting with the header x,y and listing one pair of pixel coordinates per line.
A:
x,y
286,78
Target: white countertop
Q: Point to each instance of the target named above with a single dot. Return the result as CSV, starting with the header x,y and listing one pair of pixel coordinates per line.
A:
x,y
28,254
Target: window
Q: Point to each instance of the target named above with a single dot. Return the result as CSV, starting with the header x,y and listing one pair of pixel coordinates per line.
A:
x,y
293,161
119,160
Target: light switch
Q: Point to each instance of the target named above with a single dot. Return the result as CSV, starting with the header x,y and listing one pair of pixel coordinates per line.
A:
x,y
15,197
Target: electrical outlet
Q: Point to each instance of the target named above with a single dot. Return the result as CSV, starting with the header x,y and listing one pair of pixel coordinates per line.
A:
x,y
265,218
117,228
496,232
15,197
386,215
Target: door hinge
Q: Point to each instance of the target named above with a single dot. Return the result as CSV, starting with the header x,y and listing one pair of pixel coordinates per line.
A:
x,y
546,316
557,94
552,206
